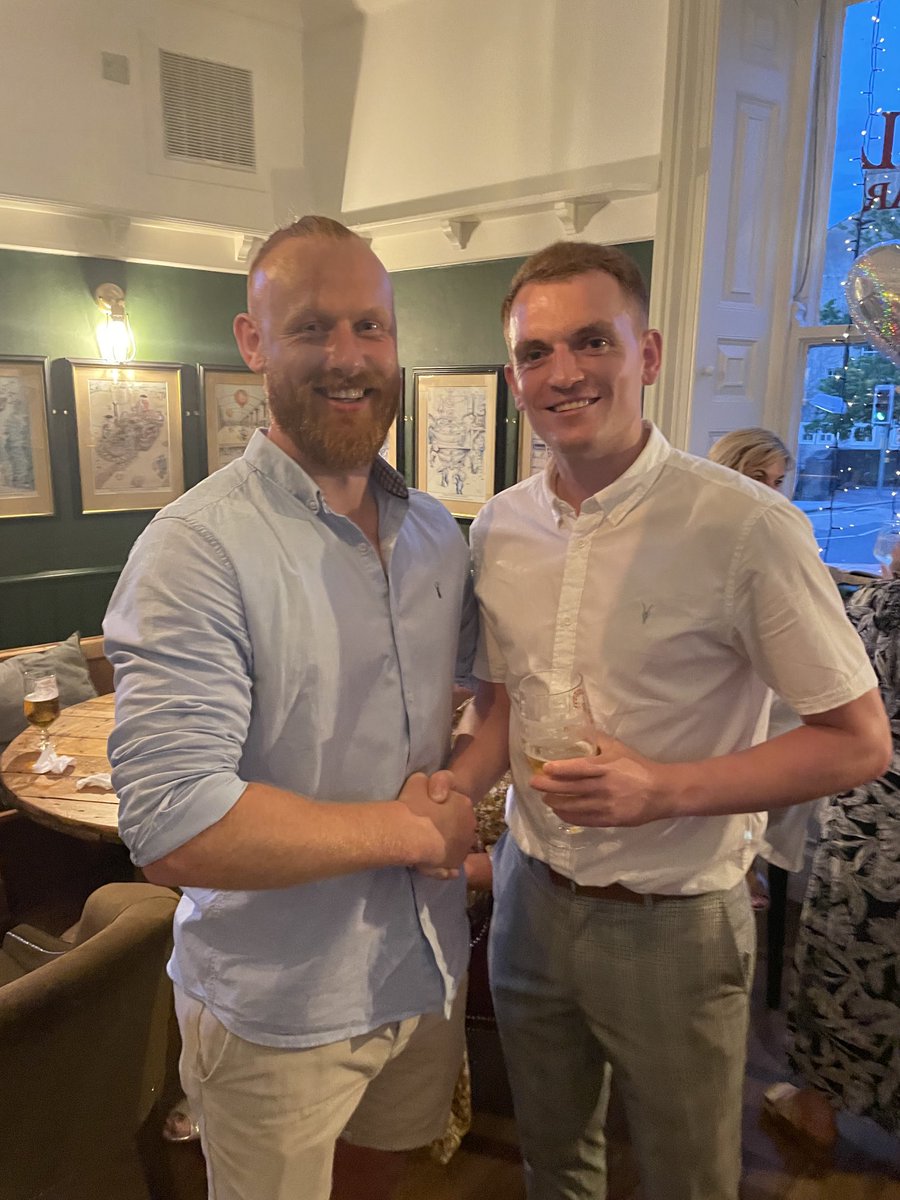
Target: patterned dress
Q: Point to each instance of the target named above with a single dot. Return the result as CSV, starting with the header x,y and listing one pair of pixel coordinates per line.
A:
x,y
845,1016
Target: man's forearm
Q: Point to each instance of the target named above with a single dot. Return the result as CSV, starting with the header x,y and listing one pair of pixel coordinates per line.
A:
x,y
809,762
833,751
481,750
273,839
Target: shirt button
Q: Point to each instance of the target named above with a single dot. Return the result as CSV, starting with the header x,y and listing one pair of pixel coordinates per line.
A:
x,y
312,505
363,549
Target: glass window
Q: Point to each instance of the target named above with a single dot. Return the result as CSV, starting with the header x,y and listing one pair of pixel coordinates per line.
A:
x,y
848,452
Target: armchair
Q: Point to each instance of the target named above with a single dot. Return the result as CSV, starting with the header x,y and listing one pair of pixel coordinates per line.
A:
x,y
83,1026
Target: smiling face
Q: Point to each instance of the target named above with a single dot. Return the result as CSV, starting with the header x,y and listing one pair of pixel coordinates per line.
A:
x,y
321,330
579,358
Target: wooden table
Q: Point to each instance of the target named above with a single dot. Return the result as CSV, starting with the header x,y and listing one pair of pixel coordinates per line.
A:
x,y
81,731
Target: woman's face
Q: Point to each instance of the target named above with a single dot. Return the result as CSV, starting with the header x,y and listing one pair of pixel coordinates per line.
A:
x,y
772,472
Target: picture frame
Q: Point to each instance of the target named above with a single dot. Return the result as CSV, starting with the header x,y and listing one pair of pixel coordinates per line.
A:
x,y
393,450
26,481
235,406
128,424
533,454
456,411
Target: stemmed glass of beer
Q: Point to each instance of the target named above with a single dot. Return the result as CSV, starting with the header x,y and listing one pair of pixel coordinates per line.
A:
x,y
41,702
555,722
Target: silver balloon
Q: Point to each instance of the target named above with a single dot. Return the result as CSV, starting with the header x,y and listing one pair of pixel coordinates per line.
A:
x,y
873,296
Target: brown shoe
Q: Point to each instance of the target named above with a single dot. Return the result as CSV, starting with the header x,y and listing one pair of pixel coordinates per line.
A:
x,y
802,1114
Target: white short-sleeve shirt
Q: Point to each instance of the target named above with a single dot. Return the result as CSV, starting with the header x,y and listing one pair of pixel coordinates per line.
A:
x,y
681,593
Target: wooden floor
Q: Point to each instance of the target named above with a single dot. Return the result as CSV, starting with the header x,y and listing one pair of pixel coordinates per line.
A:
x,y
866,1164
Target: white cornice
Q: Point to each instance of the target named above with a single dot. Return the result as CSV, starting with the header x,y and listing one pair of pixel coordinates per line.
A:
x,y
44,226
591,188
524,218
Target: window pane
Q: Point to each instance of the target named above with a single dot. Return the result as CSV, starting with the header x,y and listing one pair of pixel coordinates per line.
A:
x,y
870,62
848,454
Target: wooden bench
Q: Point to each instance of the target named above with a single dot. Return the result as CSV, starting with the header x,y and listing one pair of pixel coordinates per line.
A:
x,y
99,665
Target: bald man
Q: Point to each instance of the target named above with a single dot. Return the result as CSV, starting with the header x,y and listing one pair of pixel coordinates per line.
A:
x,y
285,638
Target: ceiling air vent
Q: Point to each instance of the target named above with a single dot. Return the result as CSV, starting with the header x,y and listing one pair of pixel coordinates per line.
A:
x,y
207,111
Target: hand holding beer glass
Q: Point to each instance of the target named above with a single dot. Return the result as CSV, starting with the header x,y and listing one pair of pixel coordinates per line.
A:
x,y
41,702
555,723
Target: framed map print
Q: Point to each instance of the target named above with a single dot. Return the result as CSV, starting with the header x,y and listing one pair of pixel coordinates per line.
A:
x,y
456,414
26,489
129,435
392,448
235,404
533,453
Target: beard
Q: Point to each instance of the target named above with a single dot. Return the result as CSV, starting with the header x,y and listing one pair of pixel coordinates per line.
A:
x,y
332,439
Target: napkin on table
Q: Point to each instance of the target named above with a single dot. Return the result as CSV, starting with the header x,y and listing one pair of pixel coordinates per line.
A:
x,y
51,763
97,781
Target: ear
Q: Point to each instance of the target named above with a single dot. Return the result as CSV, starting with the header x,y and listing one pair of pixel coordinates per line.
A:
x,y
510,376
651,355
246,334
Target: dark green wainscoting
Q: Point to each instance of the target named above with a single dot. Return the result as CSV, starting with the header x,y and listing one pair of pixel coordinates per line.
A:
x,y
57,573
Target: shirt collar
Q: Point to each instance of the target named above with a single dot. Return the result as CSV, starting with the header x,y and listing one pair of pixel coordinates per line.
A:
x,y
618,498
269,460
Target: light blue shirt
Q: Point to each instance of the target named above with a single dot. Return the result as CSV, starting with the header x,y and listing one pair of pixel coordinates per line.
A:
x,y
256,637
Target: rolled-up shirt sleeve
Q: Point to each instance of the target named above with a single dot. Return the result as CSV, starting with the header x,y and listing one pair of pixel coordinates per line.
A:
x,y
789,617
176,634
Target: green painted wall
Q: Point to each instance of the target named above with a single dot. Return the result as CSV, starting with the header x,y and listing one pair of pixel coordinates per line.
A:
x,y
47,308
56,573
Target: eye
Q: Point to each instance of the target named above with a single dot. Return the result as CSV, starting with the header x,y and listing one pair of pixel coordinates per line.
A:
x,y
311,328
598,342
370,326
534,355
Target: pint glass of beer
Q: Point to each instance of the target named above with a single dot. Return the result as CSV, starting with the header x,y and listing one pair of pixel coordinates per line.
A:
x,y
41,701
555,723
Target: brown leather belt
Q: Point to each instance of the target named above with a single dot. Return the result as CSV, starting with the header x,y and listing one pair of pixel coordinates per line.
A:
x,y
611,891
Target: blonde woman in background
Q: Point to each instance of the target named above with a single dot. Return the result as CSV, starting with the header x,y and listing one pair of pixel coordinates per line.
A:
x,y
762,455
757,453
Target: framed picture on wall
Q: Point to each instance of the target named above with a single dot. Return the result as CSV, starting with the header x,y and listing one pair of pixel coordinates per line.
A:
x,y
533,453
128,421
456,414
234,401
26,488
392,450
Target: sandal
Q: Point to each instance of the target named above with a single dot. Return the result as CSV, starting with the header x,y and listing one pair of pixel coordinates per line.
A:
x,y
180,1124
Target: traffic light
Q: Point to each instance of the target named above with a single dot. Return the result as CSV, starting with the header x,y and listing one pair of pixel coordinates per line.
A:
x,y
882,404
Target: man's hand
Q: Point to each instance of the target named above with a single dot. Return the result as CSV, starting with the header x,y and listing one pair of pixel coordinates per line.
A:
x,y
451,815
616,786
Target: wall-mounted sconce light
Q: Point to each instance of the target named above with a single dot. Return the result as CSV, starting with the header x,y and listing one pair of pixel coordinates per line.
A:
x,y
115,336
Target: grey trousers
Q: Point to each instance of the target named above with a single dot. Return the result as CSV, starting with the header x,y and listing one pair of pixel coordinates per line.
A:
x,y
656,996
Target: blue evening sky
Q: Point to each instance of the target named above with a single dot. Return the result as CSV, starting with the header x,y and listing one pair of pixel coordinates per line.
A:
x,y
846,199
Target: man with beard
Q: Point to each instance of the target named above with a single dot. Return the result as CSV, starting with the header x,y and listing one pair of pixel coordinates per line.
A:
x,y
285,637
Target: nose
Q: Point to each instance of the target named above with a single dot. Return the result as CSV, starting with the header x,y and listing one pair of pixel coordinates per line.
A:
x,y
565,370
344,349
